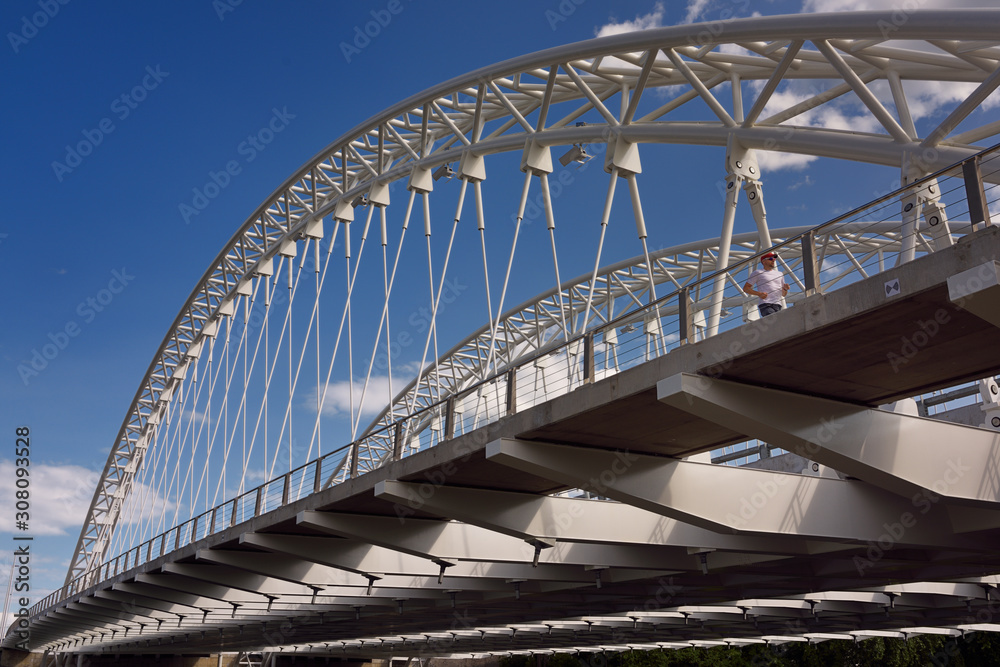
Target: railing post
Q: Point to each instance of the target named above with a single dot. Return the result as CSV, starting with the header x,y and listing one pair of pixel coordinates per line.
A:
x,y
684,321
211,525
236,508
974,193
511,391
588,358
284,490
397,441
810,272
354,459
318,476
256,507
194,530
449,418
177,537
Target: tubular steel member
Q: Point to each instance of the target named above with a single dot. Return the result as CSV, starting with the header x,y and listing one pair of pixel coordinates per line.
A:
x,y
562,97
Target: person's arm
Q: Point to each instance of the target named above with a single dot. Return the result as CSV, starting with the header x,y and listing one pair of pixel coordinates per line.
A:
x,y
749,290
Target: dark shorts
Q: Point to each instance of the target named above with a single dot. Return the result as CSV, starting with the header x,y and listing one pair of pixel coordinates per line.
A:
x,y
768,308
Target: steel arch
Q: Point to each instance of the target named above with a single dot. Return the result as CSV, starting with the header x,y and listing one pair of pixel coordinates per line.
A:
x,y
510,107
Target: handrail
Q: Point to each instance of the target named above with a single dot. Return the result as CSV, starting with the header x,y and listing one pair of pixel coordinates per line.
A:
x,y
348,454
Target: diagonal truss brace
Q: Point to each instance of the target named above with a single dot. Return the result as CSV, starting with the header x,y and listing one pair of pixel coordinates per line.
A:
x,y
553,526
729,499
909,456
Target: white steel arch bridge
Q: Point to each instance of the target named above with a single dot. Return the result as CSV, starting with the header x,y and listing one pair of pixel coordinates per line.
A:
x,y
352,286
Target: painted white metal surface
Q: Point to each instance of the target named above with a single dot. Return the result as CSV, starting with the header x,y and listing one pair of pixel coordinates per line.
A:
x,y
270,326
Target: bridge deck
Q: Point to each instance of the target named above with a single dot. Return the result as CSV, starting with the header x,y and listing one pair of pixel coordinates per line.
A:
x,y
855,344
840,345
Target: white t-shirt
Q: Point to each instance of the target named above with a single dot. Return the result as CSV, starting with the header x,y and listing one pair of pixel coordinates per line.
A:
x,y
769,282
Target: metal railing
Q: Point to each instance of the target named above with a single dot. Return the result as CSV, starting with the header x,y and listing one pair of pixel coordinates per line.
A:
x,y
828,256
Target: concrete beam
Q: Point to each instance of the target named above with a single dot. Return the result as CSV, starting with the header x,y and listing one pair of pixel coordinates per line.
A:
x,y
159,594
238,579
425,538
280,566
977,290
174,582
136,602
347,555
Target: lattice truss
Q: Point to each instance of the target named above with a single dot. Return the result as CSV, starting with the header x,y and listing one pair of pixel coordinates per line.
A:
x,y
299,311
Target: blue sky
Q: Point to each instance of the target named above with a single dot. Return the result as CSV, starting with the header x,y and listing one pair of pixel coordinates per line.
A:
x,y
98,249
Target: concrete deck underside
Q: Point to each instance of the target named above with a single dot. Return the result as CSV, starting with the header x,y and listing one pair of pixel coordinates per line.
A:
x,y
857,345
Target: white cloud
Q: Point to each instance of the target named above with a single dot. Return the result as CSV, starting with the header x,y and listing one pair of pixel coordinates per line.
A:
x,y
769,161
695,9
145,504
59,497
197,416
654,19
806,181
338,399
927,99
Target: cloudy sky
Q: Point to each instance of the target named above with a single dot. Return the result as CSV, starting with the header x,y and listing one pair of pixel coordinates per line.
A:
x,y
101,250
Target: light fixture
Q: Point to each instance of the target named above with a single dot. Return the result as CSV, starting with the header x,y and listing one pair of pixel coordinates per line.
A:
x,y
360,200
444,171
575,154
628,328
